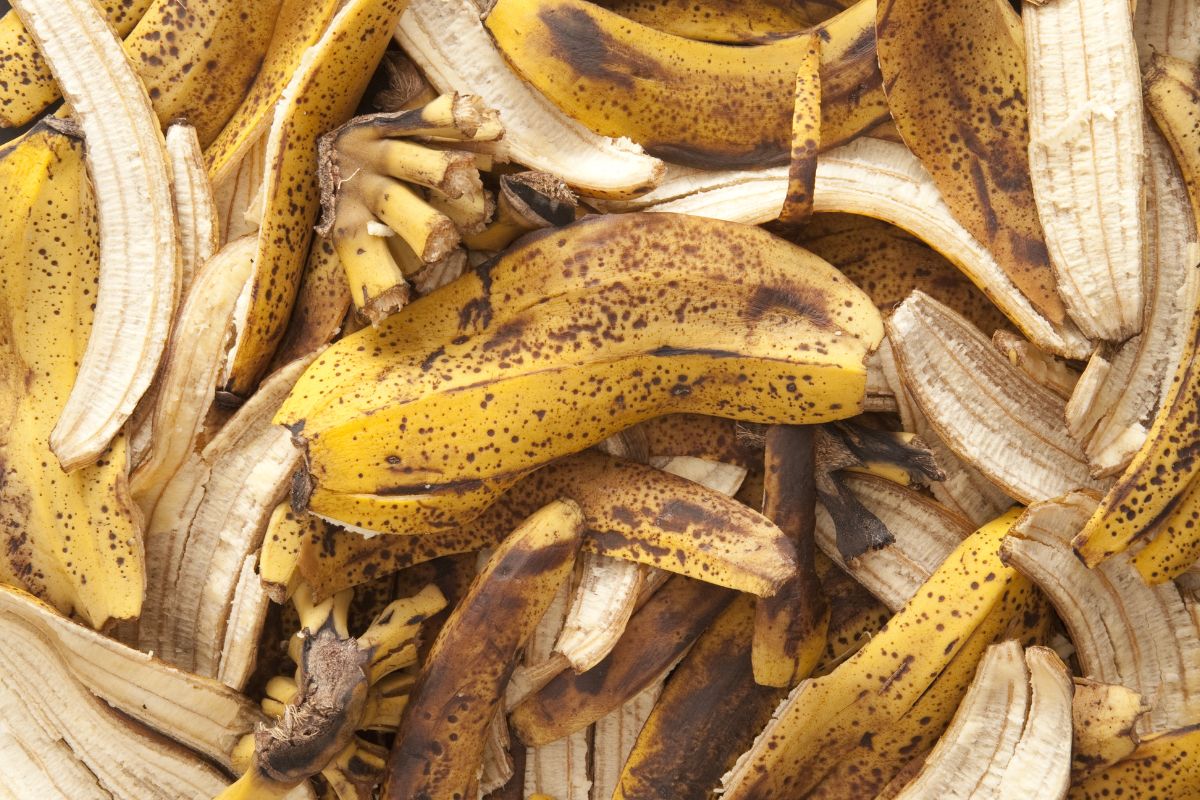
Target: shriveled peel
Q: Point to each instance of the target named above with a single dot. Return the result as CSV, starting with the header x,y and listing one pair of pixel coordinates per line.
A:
x,y
139,274
954,74
1011,737
1086,157
1124,631
988,411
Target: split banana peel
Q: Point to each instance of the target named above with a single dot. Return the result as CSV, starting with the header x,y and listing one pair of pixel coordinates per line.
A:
x,y
546,399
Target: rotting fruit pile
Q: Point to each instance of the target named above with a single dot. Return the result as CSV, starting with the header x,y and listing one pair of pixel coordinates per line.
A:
x,y
642,400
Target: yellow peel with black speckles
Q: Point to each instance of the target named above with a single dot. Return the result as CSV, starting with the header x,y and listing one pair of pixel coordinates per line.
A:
x,y
852,98
27,86
391,415
322,94
727,21
824,718
1175,546
632,511
71,539
700,436
1164,766
440,741
694,103
887,263
883,752
199,59
1169,460
321,305
299,26
954,76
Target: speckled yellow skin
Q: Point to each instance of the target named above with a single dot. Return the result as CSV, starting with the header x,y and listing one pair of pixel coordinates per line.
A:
x,y
866,769
695,103
1169,459
570,337
298,26
1166,765
318,99
27,86
72,540
1175,546
954,74
730,21
887,263
658,634
198,59
632,511
827,717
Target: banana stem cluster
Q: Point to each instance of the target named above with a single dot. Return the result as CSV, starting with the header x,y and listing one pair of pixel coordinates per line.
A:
x,y
393,205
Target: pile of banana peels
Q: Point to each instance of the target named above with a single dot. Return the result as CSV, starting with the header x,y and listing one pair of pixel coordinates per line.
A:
x,y
614,400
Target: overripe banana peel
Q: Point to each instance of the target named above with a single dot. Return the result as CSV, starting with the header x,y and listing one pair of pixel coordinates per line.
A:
x,y
620,427
816,327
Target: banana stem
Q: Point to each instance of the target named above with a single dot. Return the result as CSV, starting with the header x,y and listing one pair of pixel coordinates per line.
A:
x,y
527,201
451,172
377,282
430,234
469,211
253,786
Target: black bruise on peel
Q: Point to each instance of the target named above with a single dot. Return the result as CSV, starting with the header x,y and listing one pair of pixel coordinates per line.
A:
x,y
590,52
583,47
857,530
808,303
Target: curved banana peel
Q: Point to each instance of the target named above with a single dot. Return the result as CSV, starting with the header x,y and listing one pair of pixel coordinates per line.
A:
x,y
878,179
335,69
1165,765
889,263
803,329
959,102
1167,461
888,756
1124,631
452,47
1010,737
790,626
964,488
925,531
723,101
541,552
139,275
988,411
633,512
657,636
28,85
92,567
297,27
824,717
